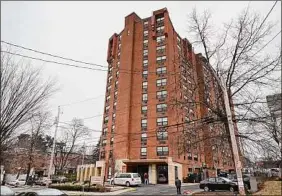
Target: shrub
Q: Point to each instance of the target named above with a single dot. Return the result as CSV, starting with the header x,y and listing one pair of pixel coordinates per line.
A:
x,y
80,188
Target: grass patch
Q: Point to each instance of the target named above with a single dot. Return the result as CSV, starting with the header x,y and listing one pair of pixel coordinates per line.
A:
x,y
270,188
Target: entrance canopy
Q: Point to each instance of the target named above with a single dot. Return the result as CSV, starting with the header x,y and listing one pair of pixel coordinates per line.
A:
x,y
145,161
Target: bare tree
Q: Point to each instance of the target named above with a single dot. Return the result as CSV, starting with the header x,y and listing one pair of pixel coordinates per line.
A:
x,y
236,57
66,148
23,93
39,123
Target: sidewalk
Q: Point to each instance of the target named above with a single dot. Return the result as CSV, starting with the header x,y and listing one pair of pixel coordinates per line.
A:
x,y
99,193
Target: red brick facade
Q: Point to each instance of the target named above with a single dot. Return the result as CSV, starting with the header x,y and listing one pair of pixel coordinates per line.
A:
x,y
147,61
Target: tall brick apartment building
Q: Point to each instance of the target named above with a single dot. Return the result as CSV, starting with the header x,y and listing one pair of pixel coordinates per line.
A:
x,y
150,122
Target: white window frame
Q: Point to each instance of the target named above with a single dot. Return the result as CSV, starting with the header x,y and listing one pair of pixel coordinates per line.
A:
x,y
161,121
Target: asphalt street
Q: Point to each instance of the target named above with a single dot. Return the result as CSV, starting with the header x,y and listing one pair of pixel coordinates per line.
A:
x,y
140,190
161,190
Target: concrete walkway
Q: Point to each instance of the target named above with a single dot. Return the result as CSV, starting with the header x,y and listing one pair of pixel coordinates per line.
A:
x,y
100,193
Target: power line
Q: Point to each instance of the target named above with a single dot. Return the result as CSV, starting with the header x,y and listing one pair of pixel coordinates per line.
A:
x,y
77,61
49,61
82,101
267,43
52,55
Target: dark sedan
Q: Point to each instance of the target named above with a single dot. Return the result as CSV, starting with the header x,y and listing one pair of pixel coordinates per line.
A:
x,y
219,183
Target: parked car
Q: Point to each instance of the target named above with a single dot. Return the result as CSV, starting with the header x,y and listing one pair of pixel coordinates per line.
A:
x,y
47,191
246,180
162,178
6,191
43,181
59,179
219,183
127,179
17,182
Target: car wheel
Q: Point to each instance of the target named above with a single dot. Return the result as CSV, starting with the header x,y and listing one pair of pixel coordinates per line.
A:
x,y
231,189
206,188
127,184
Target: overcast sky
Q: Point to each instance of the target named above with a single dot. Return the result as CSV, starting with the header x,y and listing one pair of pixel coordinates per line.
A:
x,y
80,30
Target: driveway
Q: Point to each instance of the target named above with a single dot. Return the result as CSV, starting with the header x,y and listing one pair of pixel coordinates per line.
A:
x,y
161,190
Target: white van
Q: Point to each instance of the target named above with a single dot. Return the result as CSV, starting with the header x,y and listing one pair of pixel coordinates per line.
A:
x,y
128,179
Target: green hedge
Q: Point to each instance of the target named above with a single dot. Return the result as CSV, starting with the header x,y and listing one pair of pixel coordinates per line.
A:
x,y
80,187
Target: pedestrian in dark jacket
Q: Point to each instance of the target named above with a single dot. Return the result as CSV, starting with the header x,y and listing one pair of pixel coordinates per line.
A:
x,y
178,185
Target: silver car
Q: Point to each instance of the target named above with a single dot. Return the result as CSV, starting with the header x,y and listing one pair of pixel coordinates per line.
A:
x,y
4,190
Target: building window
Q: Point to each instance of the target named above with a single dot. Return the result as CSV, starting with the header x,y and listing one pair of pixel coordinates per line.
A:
x,y
114,117
145,97
110,79
110,70
118,64
146,33
104,142
110,155
117,74
160,29
161,59
145,52
161,82
106,119
160,49
145,63
161,94
161,70
162,121
160,19
195,157
103,155
105,130
161,107
143,151
144,109
115,95
162,151
112,141
160,39
108,99
113,128
109,89
189,156
162,135
145,73
144,123
145,85
144,136
107,109
119,46
146,23
178,40
116,84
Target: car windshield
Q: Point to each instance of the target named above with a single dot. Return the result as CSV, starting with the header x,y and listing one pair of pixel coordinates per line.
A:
x,y
226,179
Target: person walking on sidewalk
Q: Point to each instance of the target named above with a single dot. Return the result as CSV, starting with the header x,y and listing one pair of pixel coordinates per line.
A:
x,y
146,181
178,185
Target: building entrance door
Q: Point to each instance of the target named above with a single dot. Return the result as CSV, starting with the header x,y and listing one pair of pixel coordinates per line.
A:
x,y
141,169
162,174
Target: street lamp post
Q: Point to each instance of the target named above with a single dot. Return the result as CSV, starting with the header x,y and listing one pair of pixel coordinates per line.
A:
x,y
54,144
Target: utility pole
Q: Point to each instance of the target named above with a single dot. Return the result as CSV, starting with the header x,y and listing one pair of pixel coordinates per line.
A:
x,y
83,153
54,144
234,145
